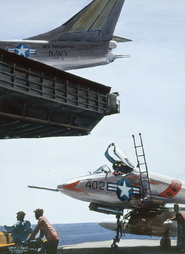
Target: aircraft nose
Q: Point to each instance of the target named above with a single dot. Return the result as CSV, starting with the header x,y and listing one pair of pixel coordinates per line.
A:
x,y
68,186
73,186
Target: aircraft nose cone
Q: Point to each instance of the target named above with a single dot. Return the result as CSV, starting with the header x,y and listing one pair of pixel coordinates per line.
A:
x,y
71,188
68,186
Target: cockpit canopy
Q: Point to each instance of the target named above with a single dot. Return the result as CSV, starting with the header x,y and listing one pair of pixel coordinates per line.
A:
x,y
119,160
102,169
119,154
121,164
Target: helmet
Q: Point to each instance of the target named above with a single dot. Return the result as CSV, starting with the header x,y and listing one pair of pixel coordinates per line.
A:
x,y
115,165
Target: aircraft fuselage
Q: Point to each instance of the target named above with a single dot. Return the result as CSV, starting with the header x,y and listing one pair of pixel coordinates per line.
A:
x,y
124,191
63,55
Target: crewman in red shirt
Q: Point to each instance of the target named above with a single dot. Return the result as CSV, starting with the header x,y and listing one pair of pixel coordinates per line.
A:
x,y
47,230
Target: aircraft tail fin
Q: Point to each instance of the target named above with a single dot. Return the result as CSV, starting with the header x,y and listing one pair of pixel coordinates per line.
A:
x,y
95,22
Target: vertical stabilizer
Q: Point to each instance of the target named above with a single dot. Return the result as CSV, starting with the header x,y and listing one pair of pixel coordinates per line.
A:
x,y
95,22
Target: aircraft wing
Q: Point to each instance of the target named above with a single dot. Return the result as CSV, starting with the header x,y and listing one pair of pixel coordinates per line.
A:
x,y
95,22
145,221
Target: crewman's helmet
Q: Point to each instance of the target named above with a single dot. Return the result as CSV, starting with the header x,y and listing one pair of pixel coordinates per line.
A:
x,y
115,165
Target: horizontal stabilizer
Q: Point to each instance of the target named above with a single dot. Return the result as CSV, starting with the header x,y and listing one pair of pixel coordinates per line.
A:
x,y
42,188
120,39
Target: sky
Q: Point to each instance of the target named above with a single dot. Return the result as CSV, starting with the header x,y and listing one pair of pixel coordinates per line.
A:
x,y
151,84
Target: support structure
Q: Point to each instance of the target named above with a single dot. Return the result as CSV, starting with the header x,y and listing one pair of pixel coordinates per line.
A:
x,y
37,100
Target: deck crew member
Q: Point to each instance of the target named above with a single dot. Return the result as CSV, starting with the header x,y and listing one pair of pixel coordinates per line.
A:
x,y
180,218
47,230
21,229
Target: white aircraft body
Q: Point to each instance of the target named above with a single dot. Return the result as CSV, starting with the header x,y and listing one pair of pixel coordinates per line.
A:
x,y
85,40
144,193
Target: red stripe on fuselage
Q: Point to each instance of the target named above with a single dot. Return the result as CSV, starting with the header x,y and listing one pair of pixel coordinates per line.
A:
x,y
172,190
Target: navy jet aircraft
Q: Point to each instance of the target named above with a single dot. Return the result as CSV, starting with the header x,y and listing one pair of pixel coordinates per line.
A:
x,y
85,40
145,194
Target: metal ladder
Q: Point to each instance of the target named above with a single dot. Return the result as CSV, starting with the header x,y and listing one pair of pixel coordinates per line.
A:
x,y
144,175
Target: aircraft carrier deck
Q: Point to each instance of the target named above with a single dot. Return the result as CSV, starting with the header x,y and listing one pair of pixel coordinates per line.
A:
x,y
37,100
131,246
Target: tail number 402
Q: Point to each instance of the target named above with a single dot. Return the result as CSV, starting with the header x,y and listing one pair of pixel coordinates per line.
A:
x,y
95,185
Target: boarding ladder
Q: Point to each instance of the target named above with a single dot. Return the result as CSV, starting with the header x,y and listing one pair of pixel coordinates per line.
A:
x,y
143,169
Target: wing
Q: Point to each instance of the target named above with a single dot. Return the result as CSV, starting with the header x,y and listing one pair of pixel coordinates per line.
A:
x,y
145,221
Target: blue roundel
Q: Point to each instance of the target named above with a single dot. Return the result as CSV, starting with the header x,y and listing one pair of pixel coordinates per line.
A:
x,y
124,190
22,50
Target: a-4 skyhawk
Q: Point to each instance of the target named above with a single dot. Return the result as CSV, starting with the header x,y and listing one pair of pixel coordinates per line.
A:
x,y
85,40
144,193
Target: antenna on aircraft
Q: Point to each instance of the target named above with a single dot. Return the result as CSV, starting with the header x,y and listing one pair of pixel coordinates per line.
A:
x,y
41,188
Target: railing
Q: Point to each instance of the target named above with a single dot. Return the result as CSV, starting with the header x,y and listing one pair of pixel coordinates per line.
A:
x,y
56,89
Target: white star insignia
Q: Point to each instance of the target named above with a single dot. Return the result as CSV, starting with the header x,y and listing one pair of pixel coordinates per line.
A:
x,y
22,50
124,190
